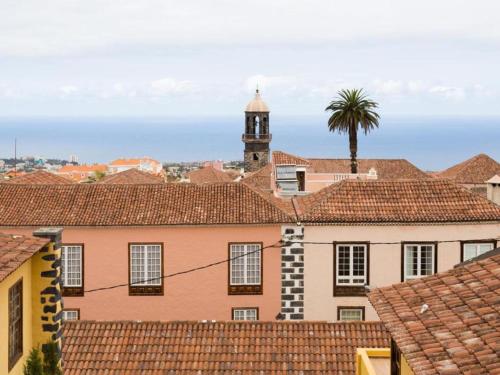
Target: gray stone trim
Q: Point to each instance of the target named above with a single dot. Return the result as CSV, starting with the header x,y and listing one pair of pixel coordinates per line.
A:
x,y
292,273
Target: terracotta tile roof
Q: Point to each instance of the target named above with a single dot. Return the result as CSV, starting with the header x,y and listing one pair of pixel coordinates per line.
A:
x,y
15,250
216,347
132,176
208,175
460,331
476,170
260,179
387,169
39,177
399,201
132,204
282,158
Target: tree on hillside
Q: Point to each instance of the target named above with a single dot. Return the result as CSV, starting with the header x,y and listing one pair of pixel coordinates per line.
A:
x,y
350,111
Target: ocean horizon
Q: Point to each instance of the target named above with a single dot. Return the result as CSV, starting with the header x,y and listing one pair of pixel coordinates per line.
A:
x,y
429,142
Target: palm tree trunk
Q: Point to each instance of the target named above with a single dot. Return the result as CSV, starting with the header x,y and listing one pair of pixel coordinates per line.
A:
x,y
353,147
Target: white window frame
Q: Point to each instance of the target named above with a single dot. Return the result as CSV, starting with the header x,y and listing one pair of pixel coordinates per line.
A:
x,y
64,266
477,249
145,280
339,280
66,315
419,257
245,313
234,251
351,310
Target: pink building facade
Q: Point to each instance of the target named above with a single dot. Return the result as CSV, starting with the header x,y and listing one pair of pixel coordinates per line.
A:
x,y
121,243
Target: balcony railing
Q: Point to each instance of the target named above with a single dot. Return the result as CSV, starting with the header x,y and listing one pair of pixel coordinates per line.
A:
x,y
256,137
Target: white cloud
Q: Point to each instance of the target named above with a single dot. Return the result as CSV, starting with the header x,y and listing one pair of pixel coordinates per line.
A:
x,y
68,90
172,86
389,87
455,93
268,83
61,27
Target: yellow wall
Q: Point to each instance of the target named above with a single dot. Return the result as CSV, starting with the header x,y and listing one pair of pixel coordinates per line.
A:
x,y
405,367
25,273
36,287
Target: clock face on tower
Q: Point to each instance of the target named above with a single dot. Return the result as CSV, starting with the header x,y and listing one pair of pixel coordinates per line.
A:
x,y
256,136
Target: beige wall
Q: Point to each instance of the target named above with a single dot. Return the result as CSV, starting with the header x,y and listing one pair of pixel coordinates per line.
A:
x,y
385,260
196,296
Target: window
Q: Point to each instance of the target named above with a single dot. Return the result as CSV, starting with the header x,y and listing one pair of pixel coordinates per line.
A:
x,y
146,269
351,269
286,178
245,269
245,313
72,269
15,323
472,250
419,260
345,313
70,314
351,265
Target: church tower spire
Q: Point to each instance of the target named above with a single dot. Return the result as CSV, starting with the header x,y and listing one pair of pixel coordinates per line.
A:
x,y
256,137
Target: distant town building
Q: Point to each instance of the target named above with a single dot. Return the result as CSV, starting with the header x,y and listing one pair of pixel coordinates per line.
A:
x,y
80,173
256,137
216,164
145,164
73,159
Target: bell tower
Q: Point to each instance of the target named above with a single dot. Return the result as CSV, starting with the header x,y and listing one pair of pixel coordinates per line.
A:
x,y
256,136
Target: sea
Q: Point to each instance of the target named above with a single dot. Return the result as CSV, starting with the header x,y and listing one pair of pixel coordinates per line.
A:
x,y
431,143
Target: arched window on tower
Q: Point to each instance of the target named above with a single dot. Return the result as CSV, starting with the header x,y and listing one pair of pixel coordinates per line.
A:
x,y
257,125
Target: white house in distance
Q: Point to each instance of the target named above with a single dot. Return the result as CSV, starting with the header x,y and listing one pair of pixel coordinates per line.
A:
x,y
145,164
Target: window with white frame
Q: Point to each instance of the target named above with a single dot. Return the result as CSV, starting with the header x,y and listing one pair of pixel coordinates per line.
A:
x,y
419,260
71,265
351,265
70,315
472,250
286,178
350,314
145,265
245,314
245,264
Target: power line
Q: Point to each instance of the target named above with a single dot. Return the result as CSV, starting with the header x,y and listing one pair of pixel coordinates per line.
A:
x,y
277,244
288,242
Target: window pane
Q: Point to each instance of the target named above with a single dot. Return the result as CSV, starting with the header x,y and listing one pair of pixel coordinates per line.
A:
x,y
411,261
351,314
145,265
15,321
426,260
484,248
351,264
286,172
70,315
245,264
245,314
470,251
288,185
71,266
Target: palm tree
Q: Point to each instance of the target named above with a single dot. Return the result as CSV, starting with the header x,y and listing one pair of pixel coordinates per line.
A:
x,y
350,111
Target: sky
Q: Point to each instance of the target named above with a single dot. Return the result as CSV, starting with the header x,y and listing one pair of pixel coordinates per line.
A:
x,y
198,57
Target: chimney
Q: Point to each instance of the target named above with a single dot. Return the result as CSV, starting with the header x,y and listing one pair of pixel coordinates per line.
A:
x,y
493,189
